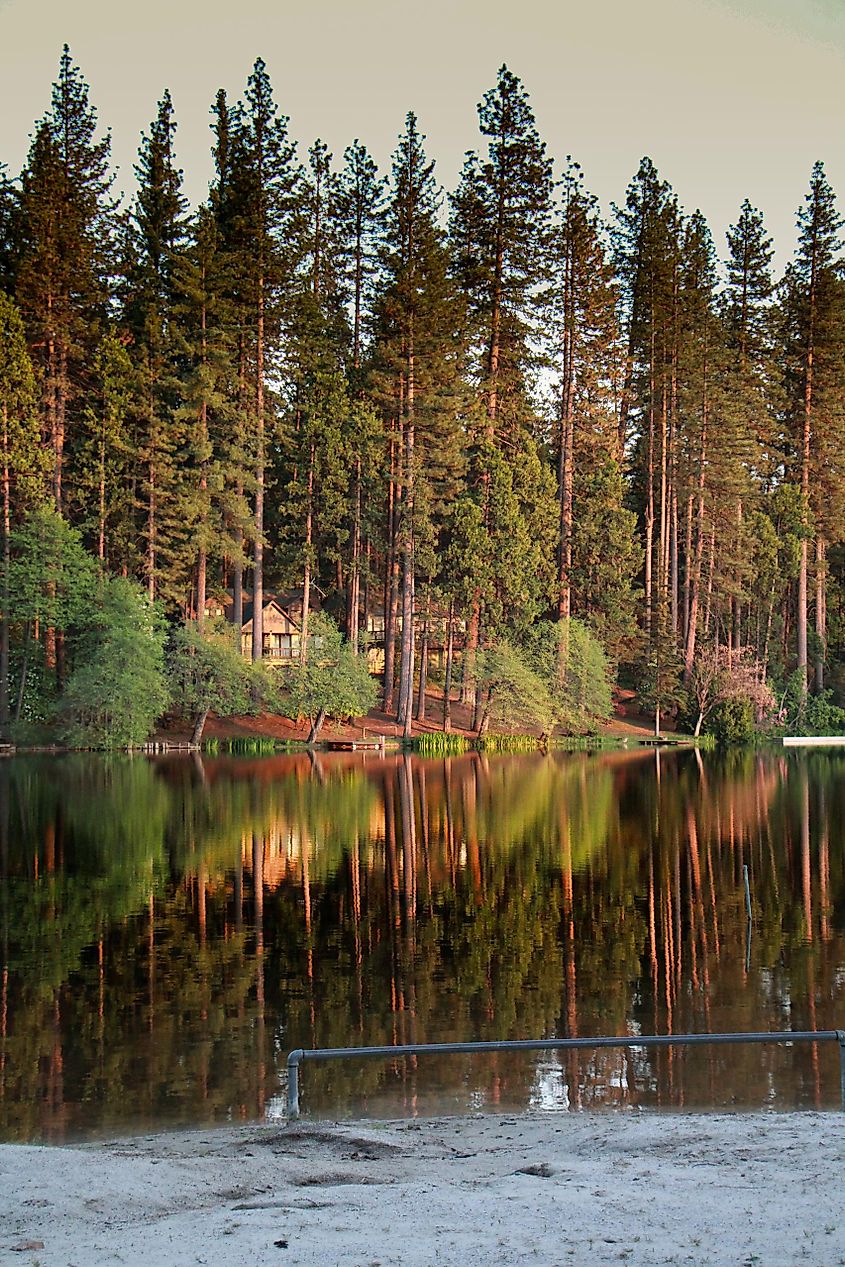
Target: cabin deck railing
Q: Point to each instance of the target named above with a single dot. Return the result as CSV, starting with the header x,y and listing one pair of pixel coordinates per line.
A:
x,y
300,1055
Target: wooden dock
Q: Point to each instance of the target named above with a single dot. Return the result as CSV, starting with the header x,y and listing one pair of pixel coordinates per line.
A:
x,y
367,743
814,741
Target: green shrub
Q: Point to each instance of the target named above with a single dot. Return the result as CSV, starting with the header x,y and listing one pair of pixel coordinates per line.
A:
x,y
732,722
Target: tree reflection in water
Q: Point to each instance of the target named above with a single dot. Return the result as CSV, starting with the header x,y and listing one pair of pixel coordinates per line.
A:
x,y
170,928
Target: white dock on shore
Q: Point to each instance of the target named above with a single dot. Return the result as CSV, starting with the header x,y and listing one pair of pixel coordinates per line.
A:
x,y
813,741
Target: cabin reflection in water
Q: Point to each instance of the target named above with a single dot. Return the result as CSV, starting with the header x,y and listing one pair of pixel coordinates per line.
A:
x,y
171,927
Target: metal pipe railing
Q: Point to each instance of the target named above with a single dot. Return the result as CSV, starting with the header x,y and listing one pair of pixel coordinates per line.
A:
x,y
300,1054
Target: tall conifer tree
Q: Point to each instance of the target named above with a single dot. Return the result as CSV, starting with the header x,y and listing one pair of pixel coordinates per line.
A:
x,y
595,555
65,254
647,242
815,315
158,242
265,181
418,326
21,475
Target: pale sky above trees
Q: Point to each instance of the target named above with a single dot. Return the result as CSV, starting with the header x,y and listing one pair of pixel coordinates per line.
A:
x,y
731,98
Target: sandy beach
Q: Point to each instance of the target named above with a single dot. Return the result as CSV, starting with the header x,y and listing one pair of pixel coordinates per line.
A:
x,y
552,1189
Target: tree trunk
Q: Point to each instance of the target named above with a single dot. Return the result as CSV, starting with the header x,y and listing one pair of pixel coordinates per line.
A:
x,y
447,685
316,727
685,600
258,547
405,710
101,520
566,452
391,579
202,573
649,507
202,556
354,614
423,669
482,723
481,711
306,575
24,668
151,533
821,610
406,669
695,582
199,727
61,410
468,691
4,596
801,616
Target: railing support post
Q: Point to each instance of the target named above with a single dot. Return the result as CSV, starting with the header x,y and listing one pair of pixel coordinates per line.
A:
x,y
840,1034
294,1058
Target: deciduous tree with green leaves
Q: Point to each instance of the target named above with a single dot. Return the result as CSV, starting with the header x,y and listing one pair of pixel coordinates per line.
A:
x,y
206,672
332,682
117,688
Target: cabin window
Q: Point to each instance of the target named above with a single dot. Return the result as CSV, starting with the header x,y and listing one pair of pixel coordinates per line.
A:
x,y
278,646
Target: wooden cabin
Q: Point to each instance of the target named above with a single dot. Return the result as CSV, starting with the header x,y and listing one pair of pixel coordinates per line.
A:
x,y
437,621
281,622
281,632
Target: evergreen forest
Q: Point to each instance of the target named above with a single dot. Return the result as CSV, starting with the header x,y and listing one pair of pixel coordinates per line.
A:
x,y
564,450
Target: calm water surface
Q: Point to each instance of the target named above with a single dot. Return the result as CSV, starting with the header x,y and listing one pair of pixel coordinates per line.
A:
x,y
170,928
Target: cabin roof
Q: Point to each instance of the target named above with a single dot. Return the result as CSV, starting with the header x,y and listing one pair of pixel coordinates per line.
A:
x,y
269,602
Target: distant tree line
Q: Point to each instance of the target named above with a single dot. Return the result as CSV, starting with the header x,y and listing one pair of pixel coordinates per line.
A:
x,y
488,412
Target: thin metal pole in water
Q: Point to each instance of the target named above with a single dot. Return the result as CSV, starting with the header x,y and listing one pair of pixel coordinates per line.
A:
x,y
747,890
748,913
840,1034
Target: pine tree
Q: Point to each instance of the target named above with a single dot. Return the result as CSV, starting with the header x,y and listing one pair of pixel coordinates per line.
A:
x,y
750,397
587,356
65,254
8,231
229,285
418,353
265,186
158,240
647,244
108,453
360,214
501,214
360,208
325,332
209,413
814,314
699,366
21,469
314,498
500,221
320,340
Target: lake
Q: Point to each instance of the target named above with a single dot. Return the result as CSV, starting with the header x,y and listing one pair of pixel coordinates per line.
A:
x,y
170,927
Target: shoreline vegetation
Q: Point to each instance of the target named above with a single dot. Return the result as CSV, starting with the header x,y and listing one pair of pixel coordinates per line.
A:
x,y
268,733
337,441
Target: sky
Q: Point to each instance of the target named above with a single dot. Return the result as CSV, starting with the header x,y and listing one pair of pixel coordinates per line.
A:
x,y
732,99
